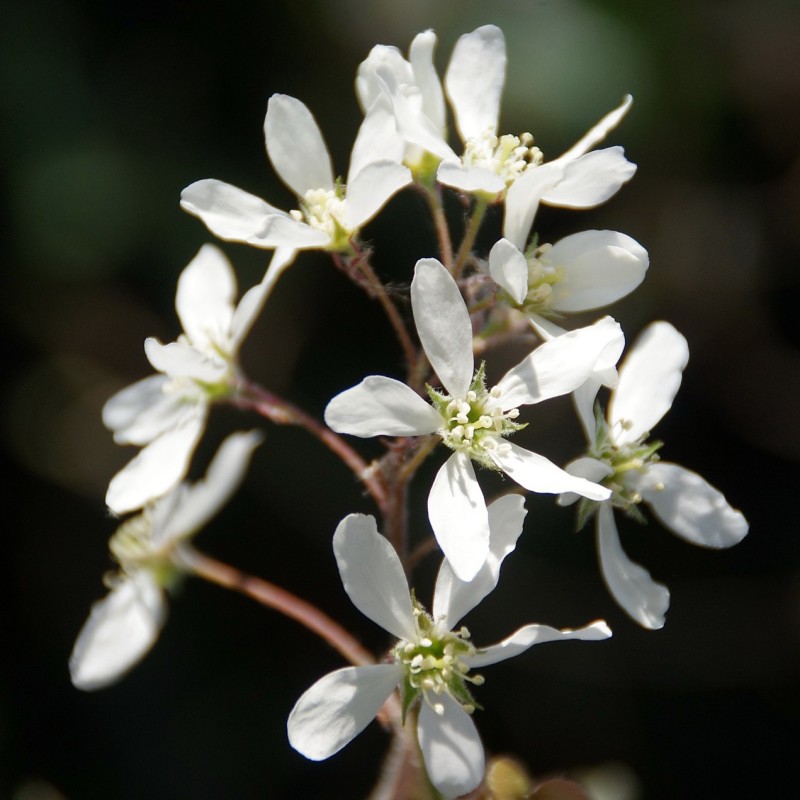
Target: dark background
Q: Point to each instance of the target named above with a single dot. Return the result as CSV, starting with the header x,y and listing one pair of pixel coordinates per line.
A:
x,y
110,109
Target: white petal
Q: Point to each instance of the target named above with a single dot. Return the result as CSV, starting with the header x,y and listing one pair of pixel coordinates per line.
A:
x,y
458,516
453,598
584,398
649,379
120,630
600,267
537,474
369,88
523,197
420,56
474,81
282,231
338,707
584,467
690,506
529,635
371,189
598,132
205,297
469,179
295,145
140,412
373,576
250,307
202,500
644,600
228,212
159,467
282,258
181,360
377,140
508,268
380,406
443,325
451,748
412,123
558,366
590,180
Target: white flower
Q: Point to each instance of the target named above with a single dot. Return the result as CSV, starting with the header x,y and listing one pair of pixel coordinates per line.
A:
x,y
490,163
623,460
471,420
329,213
124,625
166,414
432,661
581,272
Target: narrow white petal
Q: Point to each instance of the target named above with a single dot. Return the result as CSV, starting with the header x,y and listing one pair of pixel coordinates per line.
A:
x,y
529,635
598,132
469,179
690,506
281,230
560,365
458,515
509,269
369,88
420,56
295,145
451,748
377,139
412,123
443,325
140,412
599,268
584,467
373,576
639,596
584,398
159,467
523,198
649,379
537,474
591,179
474,81
120,630
249,308
228,212
203,500
338,707
380,406
453,598
181,360
205,297
371,189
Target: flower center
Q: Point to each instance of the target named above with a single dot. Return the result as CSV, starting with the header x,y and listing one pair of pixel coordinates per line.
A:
x,y
507,156
542,277
323,210
476,423
435,664
624,459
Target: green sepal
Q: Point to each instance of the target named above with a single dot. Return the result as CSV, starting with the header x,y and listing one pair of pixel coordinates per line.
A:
x,y
533,246
458,688
439,399
586,510
408,696
632,512
478,384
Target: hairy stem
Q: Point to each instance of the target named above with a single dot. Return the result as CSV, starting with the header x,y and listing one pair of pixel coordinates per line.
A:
x,y
255,398
473,226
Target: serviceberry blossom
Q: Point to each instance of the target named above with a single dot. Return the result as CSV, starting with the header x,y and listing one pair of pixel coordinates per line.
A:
x,y
622,459
581,272
124,625
490,163
329,212
432,662
471,419
165,414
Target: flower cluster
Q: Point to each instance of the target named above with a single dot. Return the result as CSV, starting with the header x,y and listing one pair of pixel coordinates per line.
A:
x,y
462,303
